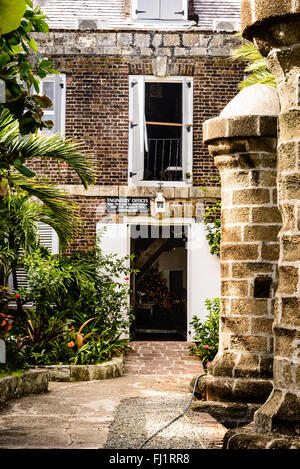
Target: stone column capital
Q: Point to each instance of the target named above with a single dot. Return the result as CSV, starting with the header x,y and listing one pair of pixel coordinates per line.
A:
x,y
239,127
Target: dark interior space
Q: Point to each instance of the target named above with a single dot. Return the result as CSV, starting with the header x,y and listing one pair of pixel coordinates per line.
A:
x,y
159,289
163,111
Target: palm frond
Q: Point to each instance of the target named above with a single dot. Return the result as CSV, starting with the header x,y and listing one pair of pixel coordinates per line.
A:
x,y
58,210
14,147
256,66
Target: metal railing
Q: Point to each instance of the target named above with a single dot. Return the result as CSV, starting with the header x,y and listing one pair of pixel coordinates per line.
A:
x,y
163,160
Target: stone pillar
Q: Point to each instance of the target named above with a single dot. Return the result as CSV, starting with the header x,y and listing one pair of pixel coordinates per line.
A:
x,y
244,148
275,28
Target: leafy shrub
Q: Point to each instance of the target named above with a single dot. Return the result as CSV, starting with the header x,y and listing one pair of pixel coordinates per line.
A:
x,y
206,335
212,222
85,290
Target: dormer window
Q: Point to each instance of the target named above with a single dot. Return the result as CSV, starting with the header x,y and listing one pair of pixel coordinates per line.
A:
x,y
160,9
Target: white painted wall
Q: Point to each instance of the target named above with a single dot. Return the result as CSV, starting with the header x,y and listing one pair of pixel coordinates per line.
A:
x,y
204,277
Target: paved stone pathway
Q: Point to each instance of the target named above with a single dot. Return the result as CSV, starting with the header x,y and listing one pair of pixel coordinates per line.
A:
x,y
162,358
116,413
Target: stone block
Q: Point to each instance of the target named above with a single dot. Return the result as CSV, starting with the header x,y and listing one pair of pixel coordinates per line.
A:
x,y
288,279
214,128
190,39
252,390
291,248
80,373
225,364
264,178
236,179
235,325
231,234
171,39
235,288
243,126
107,40
246,343
250,197
261,232
247,366
268,126
261,326
266,215
236,215
250,269
239,252
289,125
124,39
249,307
270,252
287,156
141,40
290,307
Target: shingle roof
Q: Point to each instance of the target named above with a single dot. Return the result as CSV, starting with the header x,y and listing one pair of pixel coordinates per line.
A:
x,y
64,14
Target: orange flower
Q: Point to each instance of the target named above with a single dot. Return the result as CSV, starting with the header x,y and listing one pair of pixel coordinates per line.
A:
x,y
71,344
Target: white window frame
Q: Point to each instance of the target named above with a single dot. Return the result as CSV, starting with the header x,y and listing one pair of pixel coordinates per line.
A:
x,y
180,19
59,80
187,136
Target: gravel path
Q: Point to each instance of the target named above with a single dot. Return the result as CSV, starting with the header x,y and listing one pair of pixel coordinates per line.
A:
x,y
137,418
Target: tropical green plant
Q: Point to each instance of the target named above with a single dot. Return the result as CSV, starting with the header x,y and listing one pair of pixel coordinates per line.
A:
x,y
212,223
256,66
85,291
11,13
17,179
17,50
206,333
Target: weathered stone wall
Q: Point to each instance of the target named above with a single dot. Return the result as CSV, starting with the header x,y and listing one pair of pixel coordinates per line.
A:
x,y
275,28
244,149
30,382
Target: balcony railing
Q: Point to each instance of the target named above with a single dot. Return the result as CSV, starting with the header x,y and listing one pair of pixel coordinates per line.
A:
x,y
163,160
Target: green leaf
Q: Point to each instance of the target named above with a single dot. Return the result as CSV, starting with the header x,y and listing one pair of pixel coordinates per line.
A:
x,y
43,101
11,14
32,43
4,58
27,172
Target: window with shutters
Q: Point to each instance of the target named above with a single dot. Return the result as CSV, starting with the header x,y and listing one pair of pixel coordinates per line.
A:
x,y
49,240
54,86
160,130
160,10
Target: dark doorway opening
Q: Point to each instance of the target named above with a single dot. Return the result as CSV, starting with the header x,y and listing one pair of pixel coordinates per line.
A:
x,y
159,289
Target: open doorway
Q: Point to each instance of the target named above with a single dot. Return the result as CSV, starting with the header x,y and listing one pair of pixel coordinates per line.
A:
x,y
159,289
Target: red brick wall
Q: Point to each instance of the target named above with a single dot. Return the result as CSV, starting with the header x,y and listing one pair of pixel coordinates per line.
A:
x,y
97,111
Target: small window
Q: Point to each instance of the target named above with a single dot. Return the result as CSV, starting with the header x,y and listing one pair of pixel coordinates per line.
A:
x,y
160,9
160,129
54,86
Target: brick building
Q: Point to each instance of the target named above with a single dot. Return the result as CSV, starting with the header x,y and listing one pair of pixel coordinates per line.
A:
x,y
137,80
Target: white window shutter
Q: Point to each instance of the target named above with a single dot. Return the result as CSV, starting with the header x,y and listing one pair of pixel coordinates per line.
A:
x,y
187,129
174,9
48,239
146,9
54,87
137,127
